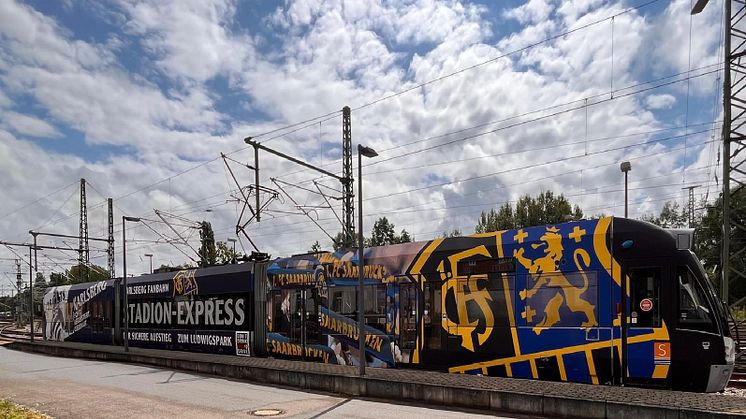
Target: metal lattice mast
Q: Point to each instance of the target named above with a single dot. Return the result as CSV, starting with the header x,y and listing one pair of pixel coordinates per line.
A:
x,y
734,143
83,252
690,208
110,244
19,288
348,195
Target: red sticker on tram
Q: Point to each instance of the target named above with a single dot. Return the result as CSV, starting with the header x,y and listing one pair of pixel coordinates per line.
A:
x,y
646,304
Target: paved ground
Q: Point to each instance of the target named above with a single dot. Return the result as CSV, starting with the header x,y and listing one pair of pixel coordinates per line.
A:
x,y
67,388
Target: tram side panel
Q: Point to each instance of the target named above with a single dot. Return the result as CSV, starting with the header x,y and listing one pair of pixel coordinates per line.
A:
x,y
197,310
80,313
529,303
200,310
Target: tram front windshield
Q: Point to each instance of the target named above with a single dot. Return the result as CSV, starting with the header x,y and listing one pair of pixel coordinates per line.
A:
x,y
720,306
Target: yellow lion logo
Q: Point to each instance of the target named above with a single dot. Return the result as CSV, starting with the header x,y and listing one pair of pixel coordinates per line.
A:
x,y
545,271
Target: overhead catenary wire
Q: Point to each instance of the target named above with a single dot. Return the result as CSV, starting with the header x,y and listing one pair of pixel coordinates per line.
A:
x,y
593,167
565,107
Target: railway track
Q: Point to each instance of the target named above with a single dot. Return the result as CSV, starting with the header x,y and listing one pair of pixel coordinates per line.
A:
x,y
7,331
738,380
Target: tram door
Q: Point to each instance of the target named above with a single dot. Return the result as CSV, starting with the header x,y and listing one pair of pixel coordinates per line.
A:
x,y
305,318
407,318
434,343
645,313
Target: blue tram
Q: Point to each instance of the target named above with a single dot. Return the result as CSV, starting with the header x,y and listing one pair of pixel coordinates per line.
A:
x,y
542,302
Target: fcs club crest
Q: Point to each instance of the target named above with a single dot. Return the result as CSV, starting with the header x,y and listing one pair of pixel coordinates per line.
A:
x,y
185,283
467,290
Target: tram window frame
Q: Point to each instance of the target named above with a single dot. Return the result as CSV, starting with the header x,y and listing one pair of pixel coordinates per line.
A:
x,y
341,297
473,267
432,315
278,298
374,299
653,318
702,324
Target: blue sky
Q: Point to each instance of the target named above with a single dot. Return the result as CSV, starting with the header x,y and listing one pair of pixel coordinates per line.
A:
x,y
140,98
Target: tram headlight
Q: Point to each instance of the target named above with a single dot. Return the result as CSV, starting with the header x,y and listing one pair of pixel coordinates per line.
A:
x,y
730,351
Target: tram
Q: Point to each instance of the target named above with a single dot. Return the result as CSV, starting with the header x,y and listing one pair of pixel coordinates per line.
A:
x,y
541,302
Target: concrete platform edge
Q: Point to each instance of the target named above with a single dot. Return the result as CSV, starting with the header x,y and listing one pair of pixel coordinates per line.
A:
x,y
349,385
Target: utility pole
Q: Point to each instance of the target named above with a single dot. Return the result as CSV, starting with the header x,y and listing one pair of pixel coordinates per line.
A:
x,y
110,245
348,196
734,147
19,287
734,141
83,253
31,292
690,209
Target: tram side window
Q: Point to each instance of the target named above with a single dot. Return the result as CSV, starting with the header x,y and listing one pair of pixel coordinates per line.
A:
x,y
694,311
645,308
344,300
375,306
431,316
281,313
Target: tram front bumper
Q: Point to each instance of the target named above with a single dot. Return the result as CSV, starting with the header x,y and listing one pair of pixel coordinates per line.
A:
x,y
719,377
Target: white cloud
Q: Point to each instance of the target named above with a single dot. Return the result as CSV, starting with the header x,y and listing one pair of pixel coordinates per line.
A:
x,y
663,101
29,125
4,100
668,38
82,85
190,39
324,55
534,11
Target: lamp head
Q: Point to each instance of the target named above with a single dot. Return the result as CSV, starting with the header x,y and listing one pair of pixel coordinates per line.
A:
x,y
625,166
699,6
366,151
133,219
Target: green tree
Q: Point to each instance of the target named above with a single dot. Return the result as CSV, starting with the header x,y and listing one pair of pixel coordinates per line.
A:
x,y
708,236
383,233
315,247
546,208
225,253
670,216
77,274
207,251
40,281
40,287
454,233
340,242
57,279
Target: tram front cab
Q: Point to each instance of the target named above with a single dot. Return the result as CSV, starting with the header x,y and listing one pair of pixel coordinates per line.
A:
x,y
669,293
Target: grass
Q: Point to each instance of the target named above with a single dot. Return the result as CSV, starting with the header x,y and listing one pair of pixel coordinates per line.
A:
x,y
10,410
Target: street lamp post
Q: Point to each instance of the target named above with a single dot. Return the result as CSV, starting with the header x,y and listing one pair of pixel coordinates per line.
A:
x,y
150,256
367,152
625,167
31,291
124,275
233,257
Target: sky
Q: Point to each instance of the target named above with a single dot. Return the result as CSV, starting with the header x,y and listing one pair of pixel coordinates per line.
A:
x,y
469,105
